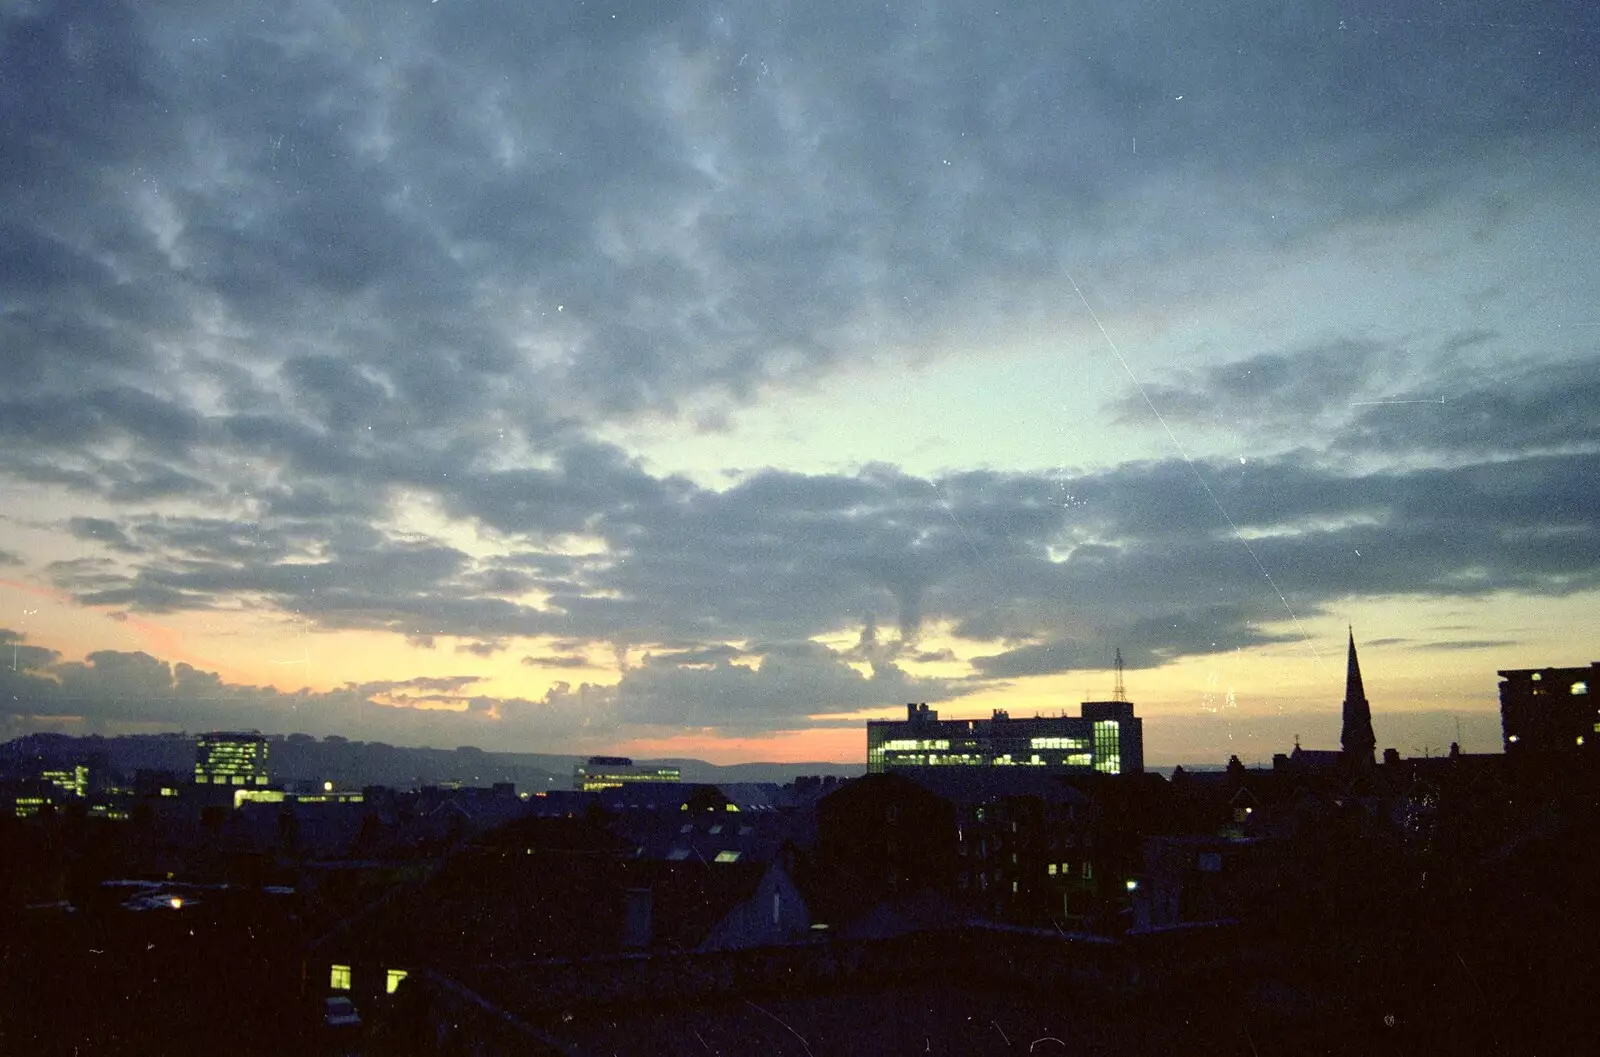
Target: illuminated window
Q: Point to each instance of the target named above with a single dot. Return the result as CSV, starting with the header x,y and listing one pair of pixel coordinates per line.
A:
x,y
1107,747
1052,869
339,978
395,976
1514,738
1013,888
1536,677
1579,688
727,856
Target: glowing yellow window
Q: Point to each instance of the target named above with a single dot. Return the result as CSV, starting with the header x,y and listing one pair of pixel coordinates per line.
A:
x,y
339,978
395,976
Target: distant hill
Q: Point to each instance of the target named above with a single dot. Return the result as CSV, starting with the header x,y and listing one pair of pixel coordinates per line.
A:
x,y
302,758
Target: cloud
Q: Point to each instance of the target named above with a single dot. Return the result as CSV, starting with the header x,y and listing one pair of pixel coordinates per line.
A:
x,y
776,687
1466,644
110,691
1144,643
1290,389
1141,558
270,295
558,661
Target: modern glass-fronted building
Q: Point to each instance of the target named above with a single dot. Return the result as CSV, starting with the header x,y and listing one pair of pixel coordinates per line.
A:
x,y
231,758
1105,738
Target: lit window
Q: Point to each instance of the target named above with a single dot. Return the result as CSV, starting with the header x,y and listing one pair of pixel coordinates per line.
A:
x,y
1580,739
1536,677
1514,739
1013,888
1052,869
1580,688
339,978
727,856
395,976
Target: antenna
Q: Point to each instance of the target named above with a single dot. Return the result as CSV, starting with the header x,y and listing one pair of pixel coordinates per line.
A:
x,y
1117,692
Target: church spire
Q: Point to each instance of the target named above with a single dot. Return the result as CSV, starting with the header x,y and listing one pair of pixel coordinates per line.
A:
x,y
1356,737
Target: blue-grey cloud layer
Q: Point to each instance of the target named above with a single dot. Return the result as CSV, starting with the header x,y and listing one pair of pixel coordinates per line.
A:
x,y
296,264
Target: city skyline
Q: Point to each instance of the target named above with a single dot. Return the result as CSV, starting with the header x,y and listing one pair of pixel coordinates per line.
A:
x,y
705,380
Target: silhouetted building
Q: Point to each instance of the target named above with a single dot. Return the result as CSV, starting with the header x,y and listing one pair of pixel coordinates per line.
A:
x,y
1106,738
1356,739
611,772
231,758
1550,711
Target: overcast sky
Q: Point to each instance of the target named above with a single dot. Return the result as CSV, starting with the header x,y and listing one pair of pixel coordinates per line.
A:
x,y
706,377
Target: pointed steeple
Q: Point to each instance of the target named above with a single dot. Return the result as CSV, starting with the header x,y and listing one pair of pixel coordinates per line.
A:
x,y
1356,737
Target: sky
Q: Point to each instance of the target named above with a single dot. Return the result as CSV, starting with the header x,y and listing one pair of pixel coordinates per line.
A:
x,y
703,379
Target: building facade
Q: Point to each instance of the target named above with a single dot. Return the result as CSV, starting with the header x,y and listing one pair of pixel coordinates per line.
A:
x,y
1550,712
231,758
613,772
1105,738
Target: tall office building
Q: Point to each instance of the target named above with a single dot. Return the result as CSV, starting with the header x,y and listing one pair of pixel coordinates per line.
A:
x,y
1550,712
231,758
1106,737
